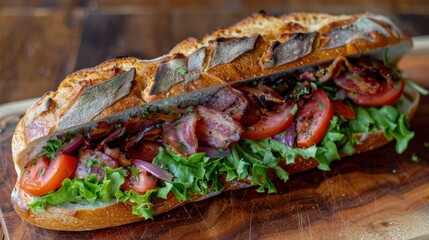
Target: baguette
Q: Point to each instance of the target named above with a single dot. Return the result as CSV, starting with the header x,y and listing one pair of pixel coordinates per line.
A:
x,y
259,45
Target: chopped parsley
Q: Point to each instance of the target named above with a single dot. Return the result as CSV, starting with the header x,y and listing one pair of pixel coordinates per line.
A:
x,y
41,172
135,172
294,109
90,163
50,151
182,70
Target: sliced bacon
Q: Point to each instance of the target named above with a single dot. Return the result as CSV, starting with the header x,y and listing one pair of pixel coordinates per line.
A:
x,y
307,76
138,124
230,101
363,67
180,134
145,150
112,137
117,155
358,84
216,128
332,71
98,160
102,129
154,130
263,94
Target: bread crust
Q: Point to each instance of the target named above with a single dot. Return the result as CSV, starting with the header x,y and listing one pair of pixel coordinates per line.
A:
x,y
42,118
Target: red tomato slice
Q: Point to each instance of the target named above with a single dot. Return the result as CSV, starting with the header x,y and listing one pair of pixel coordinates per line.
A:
x,y
145,181
313,119
271,125
368,92
344,110
43,176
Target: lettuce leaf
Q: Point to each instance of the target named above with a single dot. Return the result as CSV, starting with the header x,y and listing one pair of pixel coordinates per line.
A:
x,y
90,189
386,118
197,174
327,150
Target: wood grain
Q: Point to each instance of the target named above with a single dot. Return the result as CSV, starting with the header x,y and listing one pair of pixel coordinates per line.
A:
x,y
143,35
377,195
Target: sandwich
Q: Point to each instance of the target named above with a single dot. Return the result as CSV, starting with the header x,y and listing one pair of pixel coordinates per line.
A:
x,y
245,106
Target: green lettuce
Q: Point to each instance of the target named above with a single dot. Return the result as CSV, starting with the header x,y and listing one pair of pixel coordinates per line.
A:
x,y
387,118
90,189
197,174
327,150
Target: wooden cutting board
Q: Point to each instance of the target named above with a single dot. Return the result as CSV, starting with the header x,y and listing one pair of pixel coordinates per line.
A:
x,y
376,195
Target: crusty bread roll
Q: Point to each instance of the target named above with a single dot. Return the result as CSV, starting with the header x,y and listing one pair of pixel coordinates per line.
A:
x,y
256,46
376,32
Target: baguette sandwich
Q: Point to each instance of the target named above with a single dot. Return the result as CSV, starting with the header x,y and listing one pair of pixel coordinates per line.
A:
x,y
263,99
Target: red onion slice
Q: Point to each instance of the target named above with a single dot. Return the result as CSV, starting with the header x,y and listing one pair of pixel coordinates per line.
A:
x,y
153,169
212,152
73,145
288,137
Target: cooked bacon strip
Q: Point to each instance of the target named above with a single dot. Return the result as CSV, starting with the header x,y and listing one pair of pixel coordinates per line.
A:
x,y
180,135
102,129
154,130
94,161
145,150
140,123
230,101
307,76
117,155
361,68
216,128
112,137
357,84
263,94
332,71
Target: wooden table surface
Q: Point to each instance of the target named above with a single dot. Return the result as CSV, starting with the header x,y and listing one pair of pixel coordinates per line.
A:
x,y
42,41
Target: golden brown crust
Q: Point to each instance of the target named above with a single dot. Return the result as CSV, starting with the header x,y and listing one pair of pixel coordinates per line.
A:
x,y
42,118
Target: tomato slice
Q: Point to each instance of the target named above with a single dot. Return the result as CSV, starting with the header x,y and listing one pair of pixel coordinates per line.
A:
x,y
141,183
313,119
270,125
43,176
367,92
344,110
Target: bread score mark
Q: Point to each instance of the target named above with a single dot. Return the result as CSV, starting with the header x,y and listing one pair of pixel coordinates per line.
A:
x,y
228,49
88,104
178,69
296,47
363,28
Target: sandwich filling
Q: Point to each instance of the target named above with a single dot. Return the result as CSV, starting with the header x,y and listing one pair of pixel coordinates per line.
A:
x,y
250,133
